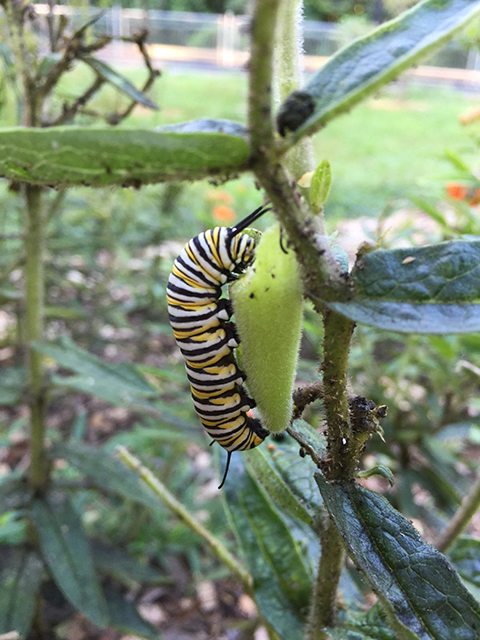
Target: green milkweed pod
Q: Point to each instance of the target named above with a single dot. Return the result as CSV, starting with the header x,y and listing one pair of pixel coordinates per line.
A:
x,y
267,303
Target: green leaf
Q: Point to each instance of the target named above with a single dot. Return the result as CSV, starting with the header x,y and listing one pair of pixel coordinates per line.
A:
x,y
69,356
65,313
13,382
320,185
68,156
281,581
20,579
457,162
378,470
432,211
124,617
359,69
124,567
121,384
66,551
465,555
108,473
259,461
369,625
15,493
80,32
7,295
433,289
287,477
414,581
118,81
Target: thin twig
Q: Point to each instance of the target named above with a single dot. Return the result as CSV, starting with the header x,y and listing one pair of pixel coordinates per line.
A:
x,y
460,520
306,446
160,490
70,111
304,396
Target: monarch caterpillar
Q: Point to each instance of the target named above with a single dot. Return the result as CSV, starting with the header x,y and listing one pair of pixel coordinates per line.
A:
x,y
206,337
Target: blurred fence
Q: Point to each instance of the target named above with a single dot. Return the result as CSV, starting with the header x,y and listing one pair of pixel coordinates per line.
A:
x,y
221,39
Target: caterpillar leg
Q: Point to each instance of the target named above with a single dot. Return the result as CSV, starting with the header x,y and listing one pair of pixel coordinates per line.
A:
x,y
232,335
225,309
281,241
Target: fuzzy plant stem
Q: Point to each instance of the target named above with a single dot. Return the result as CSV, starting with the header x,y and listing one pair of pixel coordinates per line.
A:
x,y
322,275
336,345
34,250
460,520
35,286
288,61
338,333
323,606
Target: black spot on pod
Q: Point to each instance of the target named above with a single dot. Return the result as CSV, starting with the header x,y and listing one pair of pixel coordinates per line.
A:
x,y
296,109
252,295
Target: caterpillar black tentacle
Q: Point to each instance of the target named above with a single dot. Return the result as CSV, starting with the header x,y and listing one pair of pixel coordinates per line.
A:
x,y
206,337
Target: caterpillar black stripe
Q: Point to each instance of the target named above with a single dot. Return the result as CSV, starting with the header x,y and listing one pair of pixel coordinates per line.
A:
x,y
206,338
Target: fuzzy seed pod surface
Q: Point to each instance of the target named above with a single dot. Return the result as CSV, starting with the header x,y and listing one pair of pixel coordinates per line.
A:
x,y
268,305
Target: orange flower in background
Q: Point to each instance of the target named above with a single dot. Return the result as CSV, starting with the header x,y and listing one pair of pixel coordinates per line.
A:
x,y
217,195
456,191
223,213
475,199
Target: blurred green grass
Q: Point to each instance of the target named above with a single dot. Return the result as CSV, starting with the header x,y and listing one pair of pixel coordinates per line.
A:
x,y
382,152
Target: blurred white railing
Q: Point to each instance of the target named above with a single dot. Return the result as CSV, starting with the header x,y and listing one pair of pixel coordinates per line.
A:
x,y
220,39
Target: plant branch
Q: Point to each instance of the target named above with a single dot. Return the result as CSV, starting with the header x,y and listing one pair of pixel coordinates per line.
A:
x,y
69,112
322,275
14,18
288,56
460,520
336,345
323,605
35,284
260,76
323,280
306,446
220,551
304,396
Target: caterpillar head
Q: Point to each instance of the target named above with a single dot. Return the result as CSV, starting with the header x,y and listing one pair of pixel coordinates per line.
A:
x,y
242,250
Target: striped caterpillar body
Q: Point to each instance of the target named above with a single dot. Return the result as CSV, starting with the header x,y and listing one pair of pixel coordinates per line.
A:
x,y
206,338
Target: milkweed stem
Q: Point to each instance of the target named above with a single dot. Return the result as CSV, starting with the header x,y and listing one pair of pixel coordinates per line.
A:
x,y
176,507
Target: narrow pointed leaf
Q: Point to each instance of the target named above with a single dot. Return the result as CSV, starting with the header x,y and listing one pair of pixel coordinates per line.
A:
x,y
13,384
20,578
121,384
414,581
433,289
359,69
124,567
68,156
320,185
280,581
287,477
465,555
125,617
91,21
369,625
107,472
66,551
14,493
118,81
261,464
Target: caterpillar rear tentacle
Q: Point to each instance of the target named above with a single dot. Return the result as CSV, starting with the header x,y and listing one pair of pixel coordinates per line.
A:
x,y
201,325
